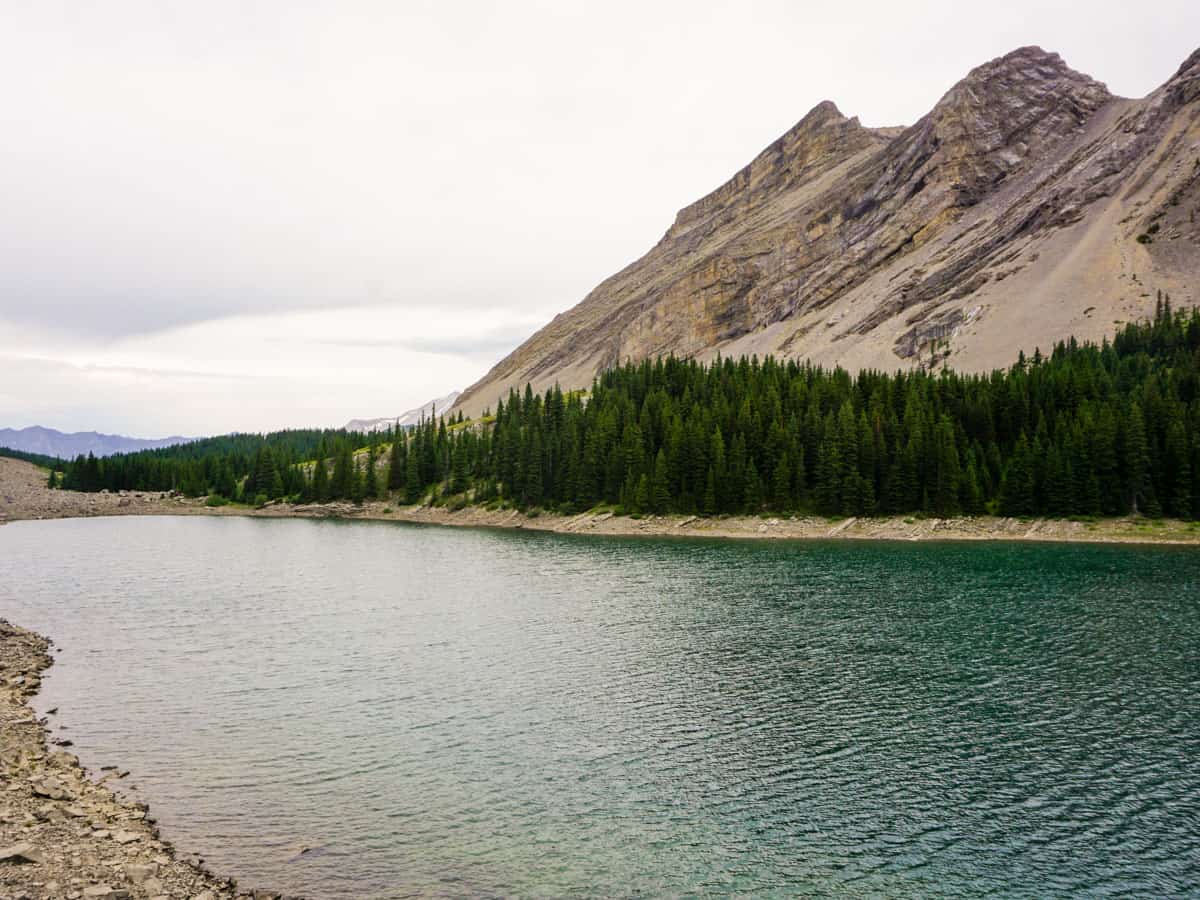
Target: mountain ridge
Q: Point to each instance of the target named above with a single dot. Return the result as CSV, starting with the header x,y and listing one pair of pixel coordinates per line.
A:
x,y
406,419
1015,213
67,445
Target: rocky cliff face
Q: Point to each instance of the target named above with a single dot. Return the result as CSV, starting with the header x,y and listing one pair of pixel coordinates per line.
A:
x,y
1028,205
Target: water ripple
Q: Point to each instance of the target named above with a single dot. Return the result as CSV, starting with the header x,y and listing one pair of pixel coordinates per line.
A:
x,y
433,712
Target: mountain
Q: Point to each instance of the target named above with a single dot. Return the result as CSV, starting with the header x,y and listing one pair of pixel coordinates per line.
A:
x,y
49,442
1028,205
407,419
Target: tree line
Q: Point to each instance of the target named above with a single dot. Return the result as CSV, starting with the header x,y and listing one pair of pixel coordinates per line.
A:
x,y
38,459
1106,429
245,467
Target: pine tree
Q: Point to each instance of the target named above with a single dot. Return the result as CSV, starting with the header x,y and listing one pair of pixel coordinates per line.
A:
x,y
828,488
398,465
531,492
709,504
371,475
781,485
414,489
276,489
358,483
1016,490
660,488
753,498
945,497
1177,468
970,492
320,482
1137,461
641,496
342,483
459,476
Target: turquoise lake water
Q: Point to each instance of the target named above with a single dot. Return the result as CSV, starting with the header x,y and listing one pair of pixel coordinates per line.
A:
x,y
449,712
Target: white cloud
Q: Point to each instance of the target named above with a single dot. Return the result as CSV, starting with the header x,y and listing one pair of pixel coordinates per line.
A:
x,y
251,373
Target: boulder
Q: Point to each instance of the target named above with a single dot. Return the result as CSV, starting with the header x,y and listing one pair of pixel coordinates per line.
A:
x,y
20,853
104,892
52,789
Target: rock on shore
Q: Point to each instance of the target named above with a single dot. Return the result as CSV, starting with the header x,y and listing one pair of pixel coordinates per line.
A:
x,y
62,835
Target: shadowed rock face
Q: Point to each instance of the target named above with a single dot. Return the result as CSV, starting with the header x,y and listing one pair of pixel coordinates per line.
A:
x,y
1007,217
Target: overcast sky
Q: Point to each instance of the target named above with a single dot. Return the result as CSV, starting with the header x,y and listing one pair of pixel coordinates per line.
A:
x,y
244,216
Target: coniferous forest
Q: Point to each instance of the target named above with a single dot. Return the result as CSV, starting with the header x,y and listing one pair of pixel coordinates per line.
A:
x,y
230,466
1086,431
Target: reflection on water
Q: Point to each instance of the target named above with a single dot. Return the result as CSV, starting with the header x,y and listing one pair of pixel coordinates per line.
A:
x,y
364,709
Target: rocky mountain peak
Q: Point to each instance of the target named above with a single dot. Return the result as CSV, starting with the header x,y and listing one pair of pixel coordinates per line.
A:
x,y
1026,77
1027,205
819,116
1002,113
1184,86
821,139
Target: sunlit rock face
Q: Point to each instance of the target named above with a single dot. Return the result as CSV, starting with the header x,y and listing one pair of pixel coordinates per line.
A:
x,y
1029,205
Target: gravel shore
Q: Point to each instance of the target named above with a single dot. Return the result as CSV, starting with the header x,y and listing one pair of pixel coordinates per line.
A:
x,y
63,832
24,495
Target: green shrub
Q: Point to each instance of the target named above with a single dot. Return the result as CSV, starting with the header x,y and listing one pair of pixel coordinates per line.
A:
x,y
215,500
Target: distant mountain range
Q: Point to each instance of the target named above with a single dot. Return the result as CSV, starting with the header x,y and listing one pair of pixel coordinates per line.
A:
x,y
51,442
407,419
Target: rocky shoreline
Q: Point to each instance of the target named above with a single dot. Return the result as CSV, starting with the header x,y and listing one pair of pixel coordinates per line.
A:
x,y
887,528
64,834
24,495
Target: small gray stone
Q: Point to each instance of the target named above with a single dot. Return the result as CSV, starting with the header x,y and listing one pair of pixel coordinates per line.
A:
x,y
140,873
